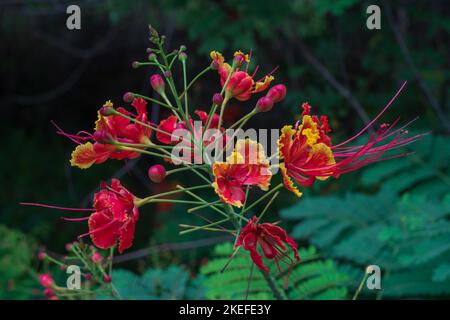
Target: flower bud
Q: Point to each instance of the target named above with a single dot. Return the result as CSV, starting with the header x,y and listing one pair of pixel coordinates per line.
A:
x,y
135,64
107,279
182,48
214,65
239,59
69,246
42,255
102,137
106,111
49,293
182,56
277,93
88,277
152,57
217,99
264,104
96,257
157,83
168,74
157,173
128,97
46,280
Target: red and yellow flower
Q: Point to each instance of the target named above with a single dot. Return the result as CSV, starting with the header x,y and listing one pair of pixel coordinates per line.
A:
x,y
246,166
97,148
241,85
308,154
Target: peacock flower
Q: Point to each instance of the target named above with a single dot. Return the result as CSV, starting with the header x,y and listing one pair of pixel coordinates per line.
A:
x,y
246,166
115,217
112,219
271,239
241,85
308,154
98,147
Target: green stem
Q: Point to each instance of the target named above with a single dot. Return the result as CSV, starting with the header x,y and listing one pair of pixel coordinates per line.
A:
x,y
262,198
193,81
277,292
361,284
195,228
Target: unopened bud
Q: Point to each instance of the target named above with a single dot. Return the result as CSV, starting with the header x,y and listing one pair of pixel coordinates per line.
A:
x,y
135,64
128,97
96,257
264,104
182,56
46,280
217,99
49,292
168,74
277,93
88,277
42,255
157,173
107,279
106,111
152,57
157,83
182,48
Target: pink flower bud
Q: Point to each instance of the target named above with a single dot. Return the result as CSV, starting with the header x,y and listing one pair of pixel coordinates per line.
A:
x,y
152,57
107,279
88,277
168,73
69,246
157,83
277,93
106,111
128,97
217,99
41,255
96,257
157,173
264,104
46,280
239,59
49,293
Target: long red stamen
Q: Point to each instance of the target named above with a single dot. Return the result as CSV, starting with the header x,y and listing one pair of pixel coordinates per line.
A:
x,y
55,207
375,119
98,229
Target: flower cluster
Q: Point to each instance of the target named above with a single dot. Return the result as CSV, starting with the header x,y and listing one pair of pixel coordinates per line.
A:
x,y
305,153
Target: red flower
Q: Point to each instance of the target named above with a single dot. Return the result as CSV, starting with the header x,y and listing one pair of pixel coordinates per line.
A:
x,y
308,153
246,166
96,148
115,217
271,239
241,85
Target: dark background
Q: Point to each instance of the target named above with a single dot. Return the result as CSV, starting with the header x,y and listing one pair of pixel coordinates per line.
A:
x,y
325,54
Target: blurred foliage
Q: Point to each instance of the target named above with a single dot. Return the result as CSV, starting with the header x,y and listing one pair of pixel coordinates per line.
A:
x,y
50,73
403,227
171,283
313,278
16,252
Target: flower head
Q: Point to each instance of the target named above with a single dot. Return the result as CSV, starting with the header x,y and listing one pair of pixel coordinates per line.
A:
x,y
98,147
308,153
241,85
246,166
272,241
115,217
